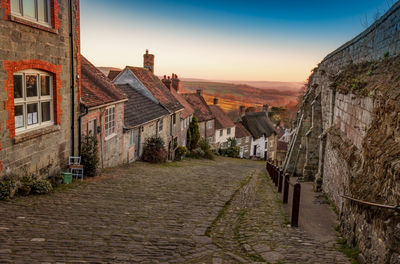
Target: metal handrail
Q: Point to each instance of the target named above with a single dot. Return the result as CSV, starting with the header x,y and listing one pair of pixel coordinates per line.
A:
x,y
392,207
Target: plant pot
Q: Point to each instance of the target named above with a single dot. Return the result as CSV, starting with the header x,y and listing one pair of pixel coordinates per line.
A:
x,y
67,177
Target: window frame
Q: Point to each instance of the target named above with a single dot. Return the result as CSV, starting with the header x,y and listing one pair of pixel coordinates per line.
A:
x,y
174,119
110,131
247,139
228,131
36,19
209,124
221,132
160,125
239,141
24,101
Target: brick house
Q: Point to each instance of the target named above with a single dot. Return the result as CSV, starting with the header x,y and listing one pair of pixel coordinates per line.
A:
x,y
103,114
203,114
243,140
39,85
261,128
146,83
143,119
173,84
224,127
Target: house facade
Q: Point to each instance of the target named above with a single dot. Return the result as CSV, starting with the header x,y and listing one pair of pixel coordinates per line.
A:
x,y
224,127
243,140
103,115
39,88
203,114
261,128
143,80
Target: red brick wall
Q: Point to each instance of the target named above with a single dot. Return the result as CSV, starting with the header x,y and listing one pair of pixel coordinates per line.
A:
x,y
13,66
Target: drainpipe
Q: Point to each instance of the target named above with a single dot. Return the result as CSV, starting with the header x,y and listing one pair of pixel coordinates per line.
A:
x,y
80,129
71,35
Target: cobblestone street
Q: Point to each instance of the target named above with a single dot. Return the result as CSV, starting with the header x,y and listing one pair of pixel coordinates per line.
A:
x,y
195,211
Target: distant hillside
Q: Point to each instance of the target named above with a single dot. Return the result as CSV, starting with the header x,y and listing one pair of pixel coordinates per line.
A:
x,y
233,95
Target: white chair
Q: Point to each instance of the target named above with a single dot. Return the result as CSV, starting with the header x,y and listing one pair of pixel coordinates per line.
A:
x,y
75,167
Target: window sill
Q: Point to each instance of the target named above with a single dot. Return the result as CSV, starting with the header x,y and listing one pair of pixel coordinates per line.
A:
x,y
32,24
110,136
28,135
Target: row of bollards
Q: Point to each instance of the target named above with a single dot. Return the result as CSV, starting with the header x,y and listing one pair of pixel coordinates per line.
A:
x,y
283,182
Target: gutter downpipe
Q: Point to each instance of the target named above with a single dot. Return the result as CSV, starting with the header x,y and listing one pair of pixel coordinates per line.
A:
x,y
71,35
80,129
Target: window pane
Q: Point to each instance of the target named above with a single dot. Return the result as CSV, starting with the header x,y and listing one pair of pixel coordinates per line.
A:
x,y
32,110
15,6
18,86
46,112
42,11
45,85
28,7
19,116
31,85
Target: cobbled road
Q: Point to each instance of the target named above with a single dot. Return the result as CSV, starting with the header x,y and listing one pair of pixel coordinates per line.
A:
x,y
195,211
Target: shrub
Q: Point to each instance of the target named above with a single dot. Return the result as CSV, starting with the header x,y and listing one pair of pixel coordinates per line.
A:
x,y
41,187
193,134
5,190
26,184
232,151
154,150
203,151
180,152
89,155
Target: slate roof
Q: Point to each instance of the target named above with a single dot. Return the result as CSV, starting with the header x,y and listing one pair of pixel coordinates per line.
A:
x,y
188,109
241,131
258,124
222,120
139,109
201,110
156,88
97,89
113,73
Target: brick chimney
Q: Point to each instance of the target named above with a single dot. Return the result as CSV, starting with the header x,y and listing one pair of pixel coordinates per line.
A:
x,y
176,83
199,92
242,109
167,82
215,101
148,61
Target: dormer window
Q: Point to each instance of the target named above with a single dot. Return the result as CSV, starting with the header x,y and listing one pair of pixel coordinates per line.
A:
x,y
33,10
33,100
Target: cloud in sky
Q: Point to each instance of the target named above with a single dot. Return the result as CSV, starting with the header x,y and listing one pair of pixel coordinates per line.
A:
x,y
232,40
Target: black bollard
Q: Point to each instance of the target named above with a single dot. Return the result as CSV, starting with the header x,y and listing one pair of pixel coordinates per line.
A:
x,y
286,189
296,205
280,180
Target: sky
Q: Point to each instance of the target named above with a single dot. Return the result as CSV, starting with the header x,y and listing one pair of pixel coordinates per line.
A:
x,y
252,40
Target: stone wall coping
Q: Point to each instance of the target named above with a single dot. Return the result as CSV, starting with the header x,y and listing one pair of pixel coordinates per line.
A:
x,y
363,34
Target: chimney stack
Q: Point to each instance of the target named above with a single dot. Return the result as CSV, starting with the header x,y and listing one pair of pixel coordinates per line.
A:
x,y
176,83
148,61
199,92
241,110
215,101
167,82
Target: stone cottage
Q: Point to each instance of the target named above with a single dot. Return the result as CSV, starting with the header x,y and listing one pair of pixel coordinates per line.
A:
x,y
103,114
143,118
243,140
260,127
203,114
146,83
173,84
39,85
224,127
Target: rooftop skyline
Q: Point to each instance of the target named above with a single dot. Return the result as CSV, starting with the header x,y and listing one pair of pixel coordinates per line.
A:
x,y
223,40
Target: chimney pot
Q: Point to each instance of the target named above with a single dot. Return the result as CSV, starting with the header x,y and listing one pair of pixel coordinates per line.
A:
x,y
165,76
169,77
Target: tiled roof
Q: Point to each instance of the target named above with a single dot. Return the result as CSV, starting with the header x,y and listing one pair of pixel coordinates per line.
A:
x,y
156,88
188,108
97,89
282,146
113,73
258,124
241,131
222,120
139,109
201,110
